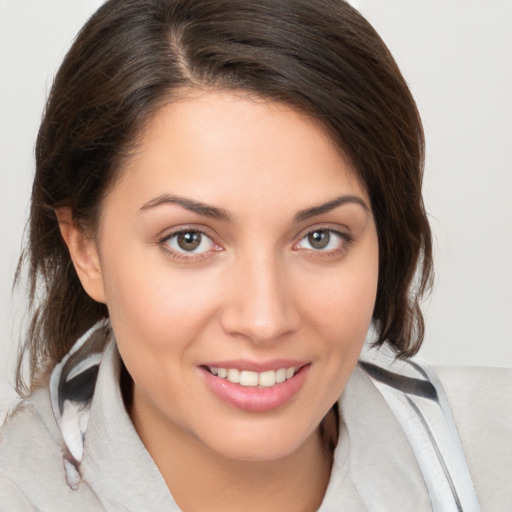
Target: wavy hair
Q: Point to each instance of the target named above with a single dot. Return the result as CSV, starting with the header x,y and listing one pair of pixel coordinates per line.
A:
x,y
320,57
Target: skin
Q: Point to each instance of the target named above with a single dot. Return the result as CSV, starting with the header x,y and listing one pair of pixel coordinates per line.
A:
x,y
255,289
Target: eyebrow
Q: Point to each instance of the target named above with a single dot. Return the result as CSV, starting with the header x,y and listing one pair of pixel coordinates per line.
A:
x,y
221,214
189,204
330,205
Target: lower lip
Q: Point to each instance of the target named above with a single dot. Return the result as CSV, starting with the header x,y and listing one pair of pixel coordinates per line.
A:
x,y
255,399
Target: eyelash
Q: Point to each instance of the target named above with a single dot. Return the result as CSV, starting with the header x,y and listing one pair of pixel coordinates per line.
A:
x,y
189,256
183,255
345,240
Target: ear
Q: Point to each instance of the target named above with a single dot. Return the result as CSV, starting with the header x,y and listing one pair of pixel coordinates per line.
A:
x,y
84,254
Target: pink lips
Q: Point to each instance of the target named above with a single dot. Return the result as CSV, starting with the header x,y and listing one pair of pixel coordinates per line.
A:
x,y
256,399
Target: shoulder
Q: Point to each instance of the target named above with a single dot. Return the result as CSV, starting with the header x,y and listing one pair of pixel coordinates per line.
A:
x,y
467,387
480,398
32,475
13,499
28,436
26,450
481,403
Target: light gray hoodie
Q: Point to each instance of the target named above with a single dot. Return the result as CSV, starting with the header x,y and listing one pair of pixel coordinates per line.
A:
x,y
398,449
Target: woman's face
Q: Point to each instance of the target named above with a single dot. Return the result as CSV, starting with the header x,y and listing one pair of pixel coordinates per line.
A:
x,y
237,245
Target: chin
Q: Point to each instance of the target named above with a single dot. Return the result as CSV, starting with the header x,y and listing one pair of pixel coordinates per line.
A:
x,y
259,445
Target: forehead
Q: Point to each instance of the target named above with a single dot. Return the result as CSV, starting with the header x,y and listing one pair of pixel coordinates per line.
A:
x,y
235,148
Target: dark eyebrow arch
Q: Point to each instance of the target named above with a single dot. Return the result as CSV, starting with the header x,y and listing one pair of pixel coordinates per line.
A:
x,y
330,205
189,204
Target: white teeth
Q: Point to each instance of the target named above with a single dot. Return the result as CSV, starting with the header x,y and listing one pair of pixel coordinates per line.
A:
x,y
247,378
267,379
234,375
281,375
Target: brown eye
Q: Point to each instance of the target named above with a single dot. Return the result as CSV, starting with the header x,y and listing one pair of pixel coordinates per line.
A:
x,y
319,239
189,240
324,240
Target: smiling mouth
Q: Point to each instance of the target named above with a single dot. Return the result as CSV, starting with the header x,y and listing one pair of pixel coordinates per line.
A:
x,y
248,378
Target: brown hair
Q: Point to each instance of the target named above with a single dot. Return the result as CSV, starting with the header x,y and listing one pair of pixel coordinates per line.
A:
x,y
320,57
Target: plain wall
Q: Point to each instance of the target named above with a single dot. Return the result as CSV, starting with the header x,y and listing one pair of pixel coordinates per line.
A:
x,y
457,58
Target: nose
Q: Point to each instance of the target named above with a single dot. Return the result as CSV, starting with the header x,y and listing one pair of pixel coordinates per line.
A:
x,y
260,304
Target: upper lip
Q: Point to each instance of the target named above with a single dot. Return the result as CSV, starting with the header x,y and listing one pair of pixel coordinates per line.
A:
x,y
257,366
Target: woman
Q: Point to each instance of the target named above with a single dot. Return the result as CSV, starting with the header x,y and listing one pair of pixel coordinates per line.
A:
x,y
227,196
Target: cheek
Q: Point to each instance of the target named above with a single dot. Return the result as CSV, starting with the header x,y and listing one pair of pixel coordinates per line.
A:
x,y
343,316
157,317
344,305
153,304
